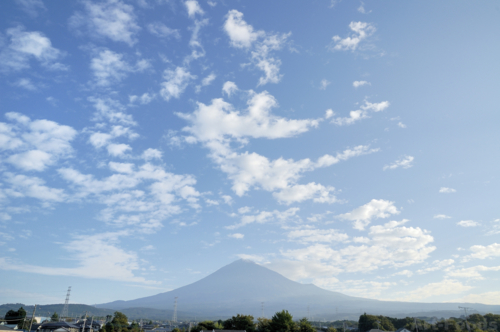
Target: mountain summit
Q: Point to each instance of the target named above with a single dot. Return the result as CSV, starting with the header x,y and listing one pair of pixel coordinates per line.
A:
x,y
243,285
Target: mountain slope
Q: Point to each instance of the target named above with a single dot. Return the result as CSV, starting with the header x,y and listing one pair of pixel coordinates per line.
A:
x,y
242,286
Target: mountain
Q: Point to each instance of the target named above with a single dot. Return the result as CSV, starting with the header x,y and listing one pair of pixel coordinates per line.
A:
x,y
242,286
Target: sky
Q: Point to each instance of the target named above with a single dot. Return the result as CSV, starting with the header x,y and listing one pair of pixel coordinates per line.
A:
x,y
147,143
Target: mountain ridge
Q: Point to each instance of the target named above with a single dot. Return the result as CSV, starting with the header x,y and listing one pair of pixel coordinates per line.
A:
x,y
242,286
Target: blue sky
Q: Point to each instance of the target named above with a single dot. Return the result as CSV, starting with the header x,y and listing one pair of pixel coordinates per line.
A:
x,y
145,144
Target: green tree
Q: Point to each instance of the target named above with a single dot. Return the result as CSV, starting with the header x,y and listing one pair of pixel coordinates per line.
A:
x,y
54,317
282,322
331,329
16,317
205,325
176,329
263,324
240,322
368,322
304,325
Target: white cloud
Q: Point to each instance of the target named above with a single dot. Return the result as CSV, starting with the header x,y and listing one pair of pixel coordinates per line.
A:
x,y
34,145
227,199
25,46
389,245
237,236
361,31
25,186
362,9
176,81
444,287
206,81
301,192
406,273
305,269
468,223
112,19
25,83
112,111
31,7
161,30
98,257
108,67
376,208
242,35
244,210
229,88
441,216
150,154
144,99
219,120
401,125
308,235
279,176
265,217
128,205
483,252
324,84
126,168
118,150
437,265
362,113
193,8
472,272
218,124
403,162
357,84
495,228
445,190
253,258
329,113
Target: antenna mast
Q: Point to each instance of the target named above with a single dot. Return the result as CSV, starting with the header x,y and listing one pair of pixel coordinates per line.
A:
x,y
66,303
174,317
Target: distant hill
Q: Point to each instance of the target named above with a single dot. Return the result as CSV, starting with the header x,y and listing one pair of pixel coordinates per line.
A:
x,y
242,286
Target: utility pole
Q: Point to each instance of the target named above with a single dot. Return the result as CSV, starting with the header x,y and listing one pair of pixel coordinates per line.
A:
x,y
32,317
416,326
84,321
91,328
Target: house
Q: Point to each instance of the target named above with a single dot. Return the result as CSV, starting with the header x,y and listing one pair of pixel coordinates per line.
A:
x,y
96,326
6,328
58,327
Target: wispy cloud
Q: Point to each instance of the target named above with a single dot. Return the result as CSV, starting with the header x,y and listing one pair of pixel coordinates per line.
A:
x,y
403,162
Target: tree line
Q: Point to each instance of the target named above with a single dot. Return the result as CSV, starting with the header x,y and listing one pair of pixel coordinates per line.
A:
x,y
473,323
